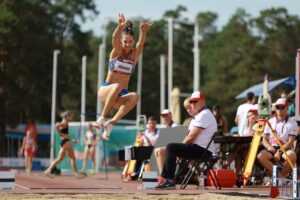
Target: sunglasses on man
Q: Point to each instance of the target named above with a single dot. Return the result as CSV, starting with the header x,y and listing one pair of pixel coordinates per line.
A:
x,y
280,107
193,102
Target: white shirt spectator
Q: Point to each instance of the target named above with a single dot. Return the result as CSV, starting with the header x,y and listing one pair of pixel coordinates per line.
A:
x,y
174,124
245,130
283,129
241,114
150,137
206,120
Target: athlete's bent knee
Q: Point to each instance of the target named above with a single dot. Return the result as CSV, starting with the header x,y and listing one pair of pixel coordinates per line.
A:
x,y
135,98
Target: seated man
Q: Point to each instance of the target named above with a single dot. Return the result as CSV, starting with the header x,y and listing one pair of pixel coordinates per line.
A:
x,y
167,119
201,130
160,152
286,130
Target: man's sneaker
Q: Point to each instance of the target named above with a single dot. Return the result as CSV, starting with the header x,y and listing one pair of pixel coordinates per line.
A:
x,y
167,185
107,130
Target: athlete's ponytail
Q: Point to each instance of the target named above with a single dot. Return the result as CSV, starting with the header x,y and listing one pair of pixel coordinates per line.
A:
x,y
128,28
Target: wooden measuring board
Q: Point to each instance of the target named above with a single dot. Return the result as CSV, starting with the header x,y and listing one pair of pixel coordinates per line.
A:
x,y
259,130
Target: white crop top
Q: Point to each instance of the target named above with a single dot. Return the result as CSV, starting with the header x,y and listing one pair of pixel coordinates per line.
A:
x,y
122,65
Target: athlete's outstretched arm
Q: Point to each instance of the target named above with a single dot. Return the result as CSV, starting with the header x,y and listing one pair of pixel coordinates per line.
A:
x,y
144,27
116,37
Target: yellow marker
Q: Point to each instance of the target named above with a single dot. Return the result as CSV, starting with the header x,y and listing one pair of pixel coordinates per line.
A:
x,y
259,130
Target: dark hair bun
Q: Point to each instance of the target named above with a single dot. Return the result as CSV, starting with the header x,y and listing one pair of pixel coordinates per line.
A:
x,y
128,28
65,114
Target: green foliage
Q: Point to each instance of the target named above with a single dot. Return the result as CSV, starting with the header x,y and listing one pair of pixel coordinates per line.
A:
x,y
29,32
232,58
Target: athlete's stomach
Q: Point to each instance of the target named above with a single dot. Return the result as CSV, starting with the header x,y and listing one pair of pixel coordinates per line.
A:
x,y
116,77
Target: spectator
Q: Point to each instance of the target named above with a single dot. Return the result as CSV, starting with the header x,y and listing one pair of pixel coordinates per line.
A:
x,y
148,138
187,107
201,131
242,112
31,125
90,141
286,130
242,149
160,152
221,120
29,149
167,119
151,133
251,118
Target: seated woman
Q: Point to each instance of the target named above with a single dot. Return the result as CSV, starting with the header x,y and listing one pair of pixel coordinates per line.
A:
x,y
242,150
286,130
148,138
151,133
221,120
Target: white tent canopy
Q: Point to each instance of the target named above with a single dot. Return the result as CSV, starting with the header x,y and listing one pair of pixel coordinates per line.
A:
x,y
258,88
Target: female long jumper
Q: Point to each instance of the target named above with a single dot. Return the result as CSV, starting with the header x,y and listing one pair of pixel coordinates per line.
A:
x,y
114,93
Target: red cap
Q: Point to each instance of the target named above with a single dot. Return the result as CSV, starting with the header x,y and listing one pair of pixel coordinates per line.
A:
x,y
281,101
197,95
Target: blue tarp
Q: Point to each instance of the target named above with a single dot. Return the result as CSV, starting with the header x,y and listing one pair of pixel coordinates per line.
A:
x,y
258,88
19,136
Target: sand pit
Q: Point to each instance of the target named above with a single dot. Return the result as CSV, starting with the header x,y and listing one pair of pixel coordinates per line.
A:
x,y
204,196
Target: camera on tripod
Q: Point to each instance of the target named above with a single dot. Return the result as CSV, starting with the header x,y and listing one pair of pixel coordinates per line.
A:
x,y
264,101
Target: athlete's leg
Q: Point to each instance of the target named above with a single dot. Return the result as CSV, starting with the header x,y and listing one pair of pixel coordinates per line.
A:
x,y
124,104
29,165
70,153
59,158
85,158
93,157
26,161
109,95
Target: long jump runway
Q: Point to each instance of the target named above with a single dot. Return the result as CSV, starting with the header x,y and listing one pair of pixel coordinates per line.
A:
x,y
38,182
98,184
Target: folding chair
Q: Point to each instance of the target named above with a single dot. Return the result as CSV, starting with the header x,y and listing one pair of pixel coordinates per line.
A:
x,y
198,166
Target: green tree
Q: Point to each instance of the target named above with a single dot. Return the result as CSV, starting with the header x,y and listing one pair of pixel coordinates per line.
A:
x,y
278,31
230,58
29,32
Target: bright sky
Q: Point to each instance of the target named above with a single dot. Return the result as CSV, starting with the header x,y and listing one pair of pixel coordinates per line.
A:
x,y
154,9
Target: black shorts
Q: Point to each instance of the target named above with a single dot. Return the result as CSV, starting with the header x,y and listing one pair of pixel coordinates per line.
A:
x,y
64,141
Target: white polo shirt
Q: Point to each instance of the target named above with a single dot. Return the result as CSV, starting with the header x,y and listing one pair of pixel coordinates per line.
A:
x,y
241,114
174,124
152,136
283,129
206,120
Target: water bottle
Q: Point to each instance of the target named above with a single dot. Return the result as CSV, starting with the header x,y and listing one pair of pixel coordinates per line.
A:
x,y
201,181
